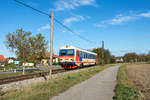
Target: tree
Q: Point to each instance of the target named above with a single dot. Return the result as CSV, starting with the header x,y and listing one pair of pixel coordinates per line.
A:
x,y
113,60
107,55
26,47
131,57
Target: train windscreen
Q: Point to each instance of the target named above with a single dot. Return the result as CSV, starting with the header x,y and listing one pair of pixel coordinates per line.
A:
x,y
66,52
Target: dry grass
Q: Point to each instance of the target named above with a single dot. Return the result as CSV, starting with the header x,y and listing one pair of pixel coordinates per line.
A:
x,y
139,76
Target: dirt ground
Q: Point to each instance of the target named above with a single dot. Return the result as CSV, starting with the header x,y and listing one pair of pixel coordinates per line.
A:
x,y
139,76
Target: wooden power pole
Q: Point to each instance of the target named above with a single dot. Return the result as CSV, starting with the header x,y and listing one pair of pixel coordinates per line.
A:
x,y
102,53
51,46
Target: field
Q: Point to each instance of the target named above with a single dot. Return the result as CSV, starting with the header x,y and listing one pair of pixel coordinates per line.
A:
x,y
139,77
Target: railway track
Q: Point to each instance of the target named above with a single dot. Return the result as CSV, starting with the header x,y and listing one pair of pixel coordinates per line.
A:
x,y
29,76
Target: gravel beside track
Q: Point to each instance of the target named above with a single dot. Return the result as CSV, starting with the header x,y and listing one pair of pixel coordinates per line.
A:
x,y
99,87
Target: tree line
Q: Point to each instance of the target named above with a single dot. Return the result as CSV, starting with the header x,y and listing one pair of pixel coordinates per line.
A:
x,y
133,57
128,57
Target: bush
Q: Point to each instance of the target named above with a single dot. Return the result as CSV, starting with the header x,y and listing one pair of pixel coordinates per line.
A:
x,y
55,63
10,66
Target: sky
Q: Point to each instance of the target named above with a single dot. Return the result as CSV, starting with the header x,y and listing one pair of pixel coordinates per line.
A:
x,y
122,24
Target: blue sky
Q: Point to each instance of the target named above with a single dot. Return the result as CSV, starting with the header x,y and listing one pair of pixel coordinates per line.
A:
x,y
122,24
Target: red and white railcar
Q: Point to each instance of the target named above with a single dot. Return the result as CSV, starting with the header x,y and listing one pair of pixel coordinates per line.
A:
x,y
72,57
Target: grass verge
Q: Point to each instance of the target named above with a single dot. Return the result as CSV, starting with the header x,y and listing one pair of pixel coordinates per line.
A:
x,y
17,74
45,90
148,62
124,90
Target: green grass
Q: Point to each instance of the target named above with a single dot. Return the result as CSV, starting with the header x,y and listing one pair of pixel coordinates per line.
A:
x,y
125,91
148,62
45,90
16,74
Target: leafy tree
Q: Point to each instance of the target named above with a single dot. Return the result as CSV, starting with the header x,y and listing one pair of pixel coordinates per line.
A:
x,y
113,60
131,57
26,47
107,55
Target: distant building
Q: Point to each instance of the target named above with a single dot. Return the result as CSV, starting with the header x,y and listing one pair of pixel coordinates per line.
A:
x,y
45,61
28,64
10,60
2,58
119,59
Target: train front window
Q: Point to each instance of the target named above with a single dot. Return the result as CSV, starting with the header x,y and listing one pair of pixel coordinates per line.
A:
x,y
63,52
66,52
70,52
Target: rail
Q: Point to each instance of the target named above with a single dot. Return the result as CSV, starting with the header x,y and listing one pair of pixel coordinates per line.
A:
x,y
24,77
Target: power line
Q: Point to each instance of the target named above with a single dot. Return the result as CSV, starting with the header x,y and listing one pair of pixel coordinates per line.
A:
x,y
32,8
69,29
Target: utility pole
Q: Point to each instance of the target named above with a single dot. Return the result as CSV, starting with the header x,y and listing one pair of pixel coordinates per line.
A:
x,y
23,60
102,53
51,46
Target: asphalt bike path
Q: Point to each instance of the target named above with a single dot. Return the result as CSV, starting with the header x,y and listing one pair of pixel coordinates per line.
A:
x,y
99,87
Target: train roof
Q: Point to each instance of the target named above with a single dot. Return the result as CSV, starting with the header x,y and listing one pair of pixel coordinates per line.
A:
x,y
72,47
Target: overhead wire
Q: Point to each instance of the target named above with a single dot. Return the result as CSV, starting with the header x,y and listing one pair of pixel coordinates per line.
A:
x,y
66,27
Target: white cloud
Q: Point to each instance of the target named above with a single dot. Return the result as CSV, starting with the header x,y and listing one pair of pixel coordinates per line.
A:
x,y
45,27
100,25
70,20
63,31
61,5
147,14
119,19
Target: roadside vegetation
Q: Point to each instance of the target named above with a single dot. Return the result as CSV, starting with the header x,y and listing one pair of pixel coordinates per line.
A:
x,y
46,89
148,62
124,90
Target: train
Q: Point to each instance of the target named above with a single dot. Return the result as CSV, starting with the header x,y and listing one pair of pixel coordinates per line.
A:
x,y
71,57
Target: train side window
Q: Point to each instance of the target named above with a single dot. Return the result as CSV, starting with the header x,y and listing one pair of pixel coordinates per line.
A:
x,y
85,55
94,57
81,54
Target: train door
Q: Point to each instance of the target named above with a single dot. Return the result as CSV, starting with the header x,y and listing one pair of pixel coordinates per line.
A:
x,y
77,56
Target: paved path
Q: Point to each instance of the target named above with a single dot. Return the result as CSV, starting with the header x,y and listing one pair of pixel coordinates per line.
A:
x,y
99,87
